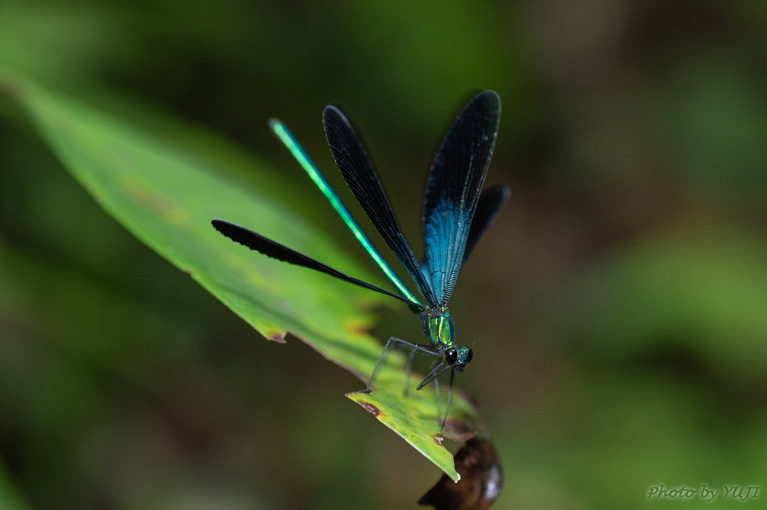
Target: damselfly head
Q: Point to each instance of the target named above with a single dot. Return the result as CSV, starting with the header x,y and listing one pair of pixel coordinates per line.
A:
x,y
459,357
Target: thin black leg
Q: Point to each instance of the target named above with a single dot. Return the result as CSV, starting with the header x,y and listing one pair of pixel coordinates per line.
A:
x,y
385,354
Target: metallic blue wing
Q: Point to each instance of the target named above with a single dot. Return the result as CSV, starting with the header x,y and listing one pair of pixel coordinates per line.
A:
x,y
357,170
452,190
489,205
490,202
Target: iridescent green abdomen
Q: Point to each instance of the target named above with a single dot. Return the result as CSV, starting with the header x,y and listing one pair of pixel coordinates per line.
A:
x,y
438,327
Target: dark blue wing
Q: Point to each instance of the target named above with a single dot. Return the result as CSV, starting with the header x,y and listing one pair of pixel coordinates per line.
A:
x,y
489,205
453,188
355,166
278,251
490,202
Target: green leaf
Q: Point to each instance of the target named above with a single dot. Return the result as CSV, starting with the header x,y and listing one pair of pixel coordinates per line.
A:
x,y
165,190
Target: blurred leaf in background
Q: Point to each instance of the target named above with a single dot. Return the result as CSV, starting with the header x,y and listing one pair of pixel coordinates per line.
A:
x,y
617,304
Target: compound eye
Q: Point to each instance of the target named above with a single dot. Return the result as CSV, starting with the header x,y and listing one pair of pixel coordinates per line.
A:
x,y
469,354
451,356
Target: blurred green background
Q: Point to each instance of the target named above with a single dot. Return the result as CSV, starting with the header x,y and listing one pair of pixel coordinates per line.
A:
x,y
617,309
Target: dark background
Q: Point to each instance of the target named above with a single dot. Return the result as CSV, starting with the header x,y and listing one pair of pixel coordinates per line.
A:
x,y
617,309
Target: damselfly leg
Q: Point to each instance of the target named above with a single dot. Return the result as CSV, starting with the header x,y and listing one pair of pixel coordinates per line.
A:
x,y
387,349
438,368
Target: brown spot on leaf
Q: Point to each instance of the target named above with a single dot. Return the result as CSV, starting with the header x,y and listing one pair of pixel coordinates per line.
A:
x,y
152,200
480,484
278,336
370,408
358,326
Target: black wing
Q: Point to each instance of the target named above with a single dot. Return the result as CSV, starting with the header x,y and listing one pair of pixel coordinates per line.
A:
x,y
452,190
490,202
277,251
355,166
